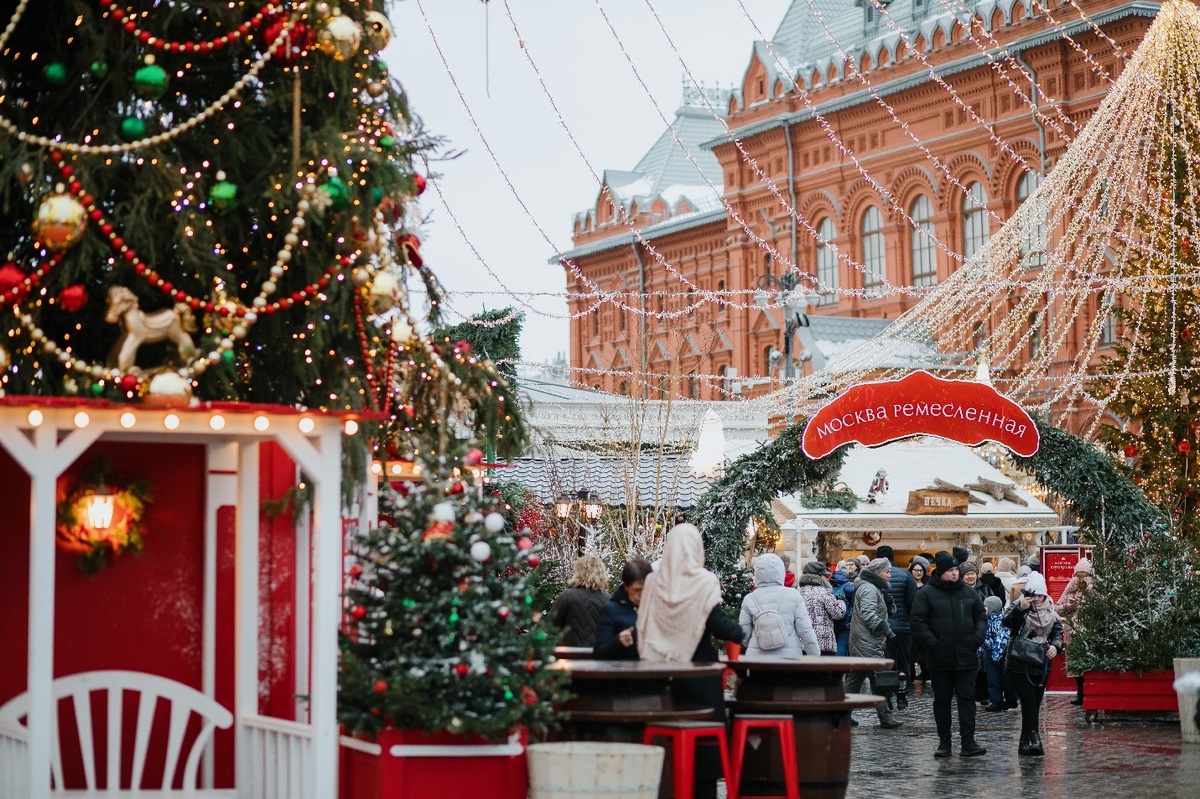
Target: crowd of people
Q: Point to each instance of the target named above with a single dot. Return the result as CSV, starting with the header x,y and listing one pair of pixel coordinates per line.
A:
x,y
977,634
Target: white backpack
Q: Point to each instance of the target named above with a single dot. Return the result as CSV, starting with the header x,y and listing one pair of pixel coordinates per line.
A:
x,y
770,632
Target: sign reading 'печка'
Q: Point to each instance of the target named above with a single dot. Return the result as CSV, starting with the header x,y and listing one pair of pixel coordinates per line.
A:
x,y
920,404
927,502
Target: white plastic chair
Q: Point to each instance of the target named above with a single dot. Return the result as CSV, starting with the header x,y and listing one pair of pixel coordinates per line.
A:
x,y
183,702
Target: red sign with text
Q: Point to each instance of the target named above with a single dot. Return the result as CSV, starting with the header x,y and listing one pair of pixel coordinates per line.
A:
x,y
920,404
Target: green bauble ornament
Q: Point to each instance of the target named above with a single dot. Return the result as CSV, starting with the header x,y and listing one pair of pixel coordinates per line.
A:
x,y
55,73
508,695
376,195
338,192
227,356
222,197
387,142
98,69
151,80
97,389
132,129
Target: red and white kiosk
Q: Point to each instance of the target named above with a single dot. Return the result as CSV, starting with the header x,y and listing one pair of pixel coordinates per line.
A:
x,y
194,655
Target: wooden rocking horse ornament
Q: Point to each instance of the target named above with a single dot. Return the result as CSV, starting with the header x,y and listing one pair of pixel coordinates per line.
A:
x,y
139,327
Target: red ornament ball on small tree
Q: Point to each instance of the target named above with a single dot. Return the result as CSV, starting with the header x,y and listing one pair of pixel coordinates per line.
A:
x,y
358,613
72,298
356,571
1184,447
524,543
534,561
1130,451
380,686
419,183
462,669
11,276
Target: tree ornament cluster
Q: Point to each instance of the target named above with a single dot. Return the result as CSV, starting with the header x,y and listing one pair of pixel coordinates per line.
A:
x,y
430,619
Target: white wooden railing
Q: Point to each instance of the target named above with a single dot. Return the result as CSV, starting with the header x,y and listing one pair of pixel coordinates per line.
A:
x,y
14,760
280,759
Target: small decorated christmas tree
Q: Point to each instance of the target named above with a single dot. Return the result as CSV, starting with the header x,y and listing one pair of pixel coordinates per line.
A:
x,y
1143,609
441,632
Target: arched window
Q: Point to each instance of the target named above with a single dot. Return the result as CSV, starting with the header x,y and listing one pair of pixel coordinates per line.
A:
x,y
921,246
721,304
1033,231
874,257
827,264
976,231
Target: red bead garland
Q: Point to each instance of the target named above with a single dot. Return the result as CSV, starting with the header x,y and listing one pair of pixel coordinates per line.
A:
x,y
166,287
124,17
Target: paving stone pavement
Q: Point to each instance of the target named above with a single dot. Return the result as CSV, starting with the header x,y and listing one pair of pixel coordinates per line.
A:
x,y
1121,756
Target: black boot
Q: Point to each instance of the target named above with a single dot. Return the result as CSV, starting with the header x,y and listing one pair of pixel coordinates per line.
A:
x,y
971,749
1023,747
1078,700
943,749
1035,745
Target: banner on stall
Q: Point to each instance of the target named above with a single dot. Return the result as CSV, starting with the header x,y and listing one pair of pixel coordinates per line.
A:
x,y
926,502
919,403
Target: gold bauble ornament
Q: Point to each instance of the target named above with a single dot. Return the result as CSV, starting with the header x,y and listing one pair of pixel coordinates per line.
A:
x,y
385,292
169,388
60,220
339,37
378,31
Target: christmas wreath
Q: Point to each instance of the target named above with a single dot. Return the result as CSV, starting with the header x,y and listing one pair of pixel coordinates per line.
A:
x,y
124,531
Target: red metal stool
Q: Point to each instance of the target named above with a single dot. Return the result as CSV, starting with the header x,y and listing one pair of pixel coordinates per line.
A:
x,y
783,726
684,735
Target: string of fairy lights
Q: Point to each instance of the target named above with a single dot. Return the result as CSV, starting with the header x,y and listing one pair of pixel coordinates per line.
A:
x,y
1070,290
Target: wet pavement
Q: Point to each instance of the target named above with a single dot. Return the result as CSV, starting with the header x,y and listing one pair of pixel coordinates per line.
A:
x,y
1122,755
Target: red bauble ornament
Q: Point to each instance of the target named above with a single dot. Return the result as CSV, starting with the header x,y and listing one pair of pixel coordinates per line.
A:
x,y
528,695
299,39
356,571
129,383
530,666
473,457
503,611
1186,334
463,346
457,488
419,183
462,669
390,209
524,543
11,276
1184,447
1130,451
72,298
376,712
534,561
438,531
358,612
380,686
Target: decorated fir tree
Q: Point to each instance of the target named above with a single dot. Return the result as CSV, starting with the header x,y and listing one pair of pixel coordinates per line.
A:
x,y
221,192
441,632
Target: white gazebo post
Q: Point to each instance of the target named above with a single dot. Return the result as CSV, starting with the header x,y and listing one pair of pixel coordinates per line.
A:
x,y
320,457
247,592
43,459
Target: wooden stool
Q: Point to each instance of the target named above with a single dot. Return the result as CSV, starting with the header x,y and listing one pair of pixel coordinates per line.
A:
x,y
684,735
783,726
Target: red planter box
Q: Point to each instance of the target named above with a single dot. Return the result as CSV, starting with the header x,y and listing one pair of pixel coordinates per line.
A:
x,y
1129,690
410,764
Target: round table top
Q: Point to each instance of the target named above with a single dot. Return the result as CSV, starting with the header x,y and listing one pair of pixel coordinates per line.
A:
x,y
573,652
808,663
634,669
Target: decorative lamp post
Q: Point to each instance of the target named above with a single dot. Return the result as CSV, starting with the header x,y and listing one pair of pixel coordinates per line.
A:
x,y
584,506
100,504
795,301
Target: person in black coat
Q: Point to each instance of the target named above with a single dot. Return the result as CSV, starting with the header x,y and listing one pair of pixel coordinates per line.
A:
x,y
949,621
616,635
903,590
1032,616
577,609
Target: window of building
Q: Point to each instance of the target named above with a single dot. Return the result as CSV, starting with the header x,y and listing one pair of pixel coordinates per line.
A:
x,y
768,264
623,388
693,386
621,319
921,246
975,222
721,306
827,263
1033,233
1108,327
595,321
1035,335
874,256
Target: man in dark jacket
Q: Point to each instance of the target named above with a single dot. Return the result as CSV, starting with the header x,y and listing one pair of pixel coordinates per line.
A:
x,y
616,634
949,621
903,589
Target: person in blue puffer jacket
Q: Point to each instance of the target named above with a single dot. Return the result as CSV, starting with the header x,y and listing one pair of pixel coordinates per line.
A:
x,y
843,589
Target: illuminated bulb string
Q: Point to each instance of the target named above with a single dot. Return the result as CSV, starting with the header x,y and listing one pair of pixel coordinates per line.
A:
x,y
13,21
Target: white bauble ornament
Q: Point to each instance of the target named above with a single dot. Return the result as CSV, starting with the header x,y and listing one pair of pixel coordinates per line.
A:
x,y
378,31
402,332
481,551
385,292
442,512
169,388
339,37
493,522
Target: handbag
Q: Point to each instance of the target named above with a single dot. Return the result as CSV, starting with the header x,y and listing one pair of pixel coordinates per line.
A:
x,y
887,682
1029,654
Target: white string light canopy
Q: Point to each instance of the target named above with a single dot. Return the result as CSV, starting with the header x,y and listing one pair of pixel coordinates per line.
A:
x,y
1107,226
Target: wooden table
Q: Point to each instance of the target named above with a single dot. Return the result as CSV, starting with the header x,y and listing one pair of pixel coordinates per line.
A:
x,y
812,690
573,652
615,699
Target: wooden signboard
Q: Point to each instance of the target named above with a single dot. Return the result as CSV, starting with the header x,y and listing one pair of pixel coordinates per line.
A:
x,y
927,502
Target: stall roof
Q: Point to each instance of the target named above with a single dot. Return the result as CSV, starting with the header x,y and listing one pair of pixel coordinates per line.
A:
x,y
914,464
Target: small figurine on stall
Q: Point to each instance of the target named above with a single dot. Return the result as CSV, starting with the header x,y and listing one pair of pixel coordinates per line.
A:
x,y
879,486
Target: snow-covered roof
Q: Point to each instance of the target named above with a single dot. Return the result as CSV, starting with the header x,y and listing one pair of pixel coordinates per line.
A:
x,y
914,464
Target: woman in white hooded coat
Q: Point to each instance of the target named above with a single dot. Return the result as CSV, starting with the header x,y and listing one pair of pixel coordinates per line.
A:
x,y
770,594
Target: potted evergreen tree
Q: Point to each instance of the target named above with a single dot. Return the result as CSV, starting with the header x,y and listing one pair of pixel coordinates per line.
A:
x,y
442,656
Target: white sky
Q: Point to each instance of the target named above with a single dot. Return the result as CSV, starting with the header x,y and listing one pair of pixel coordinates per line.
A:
x,y
602,103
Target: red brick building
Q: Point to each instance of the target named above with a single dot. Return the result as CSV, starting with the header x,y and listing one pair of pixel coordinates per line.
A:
x,y
680,308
